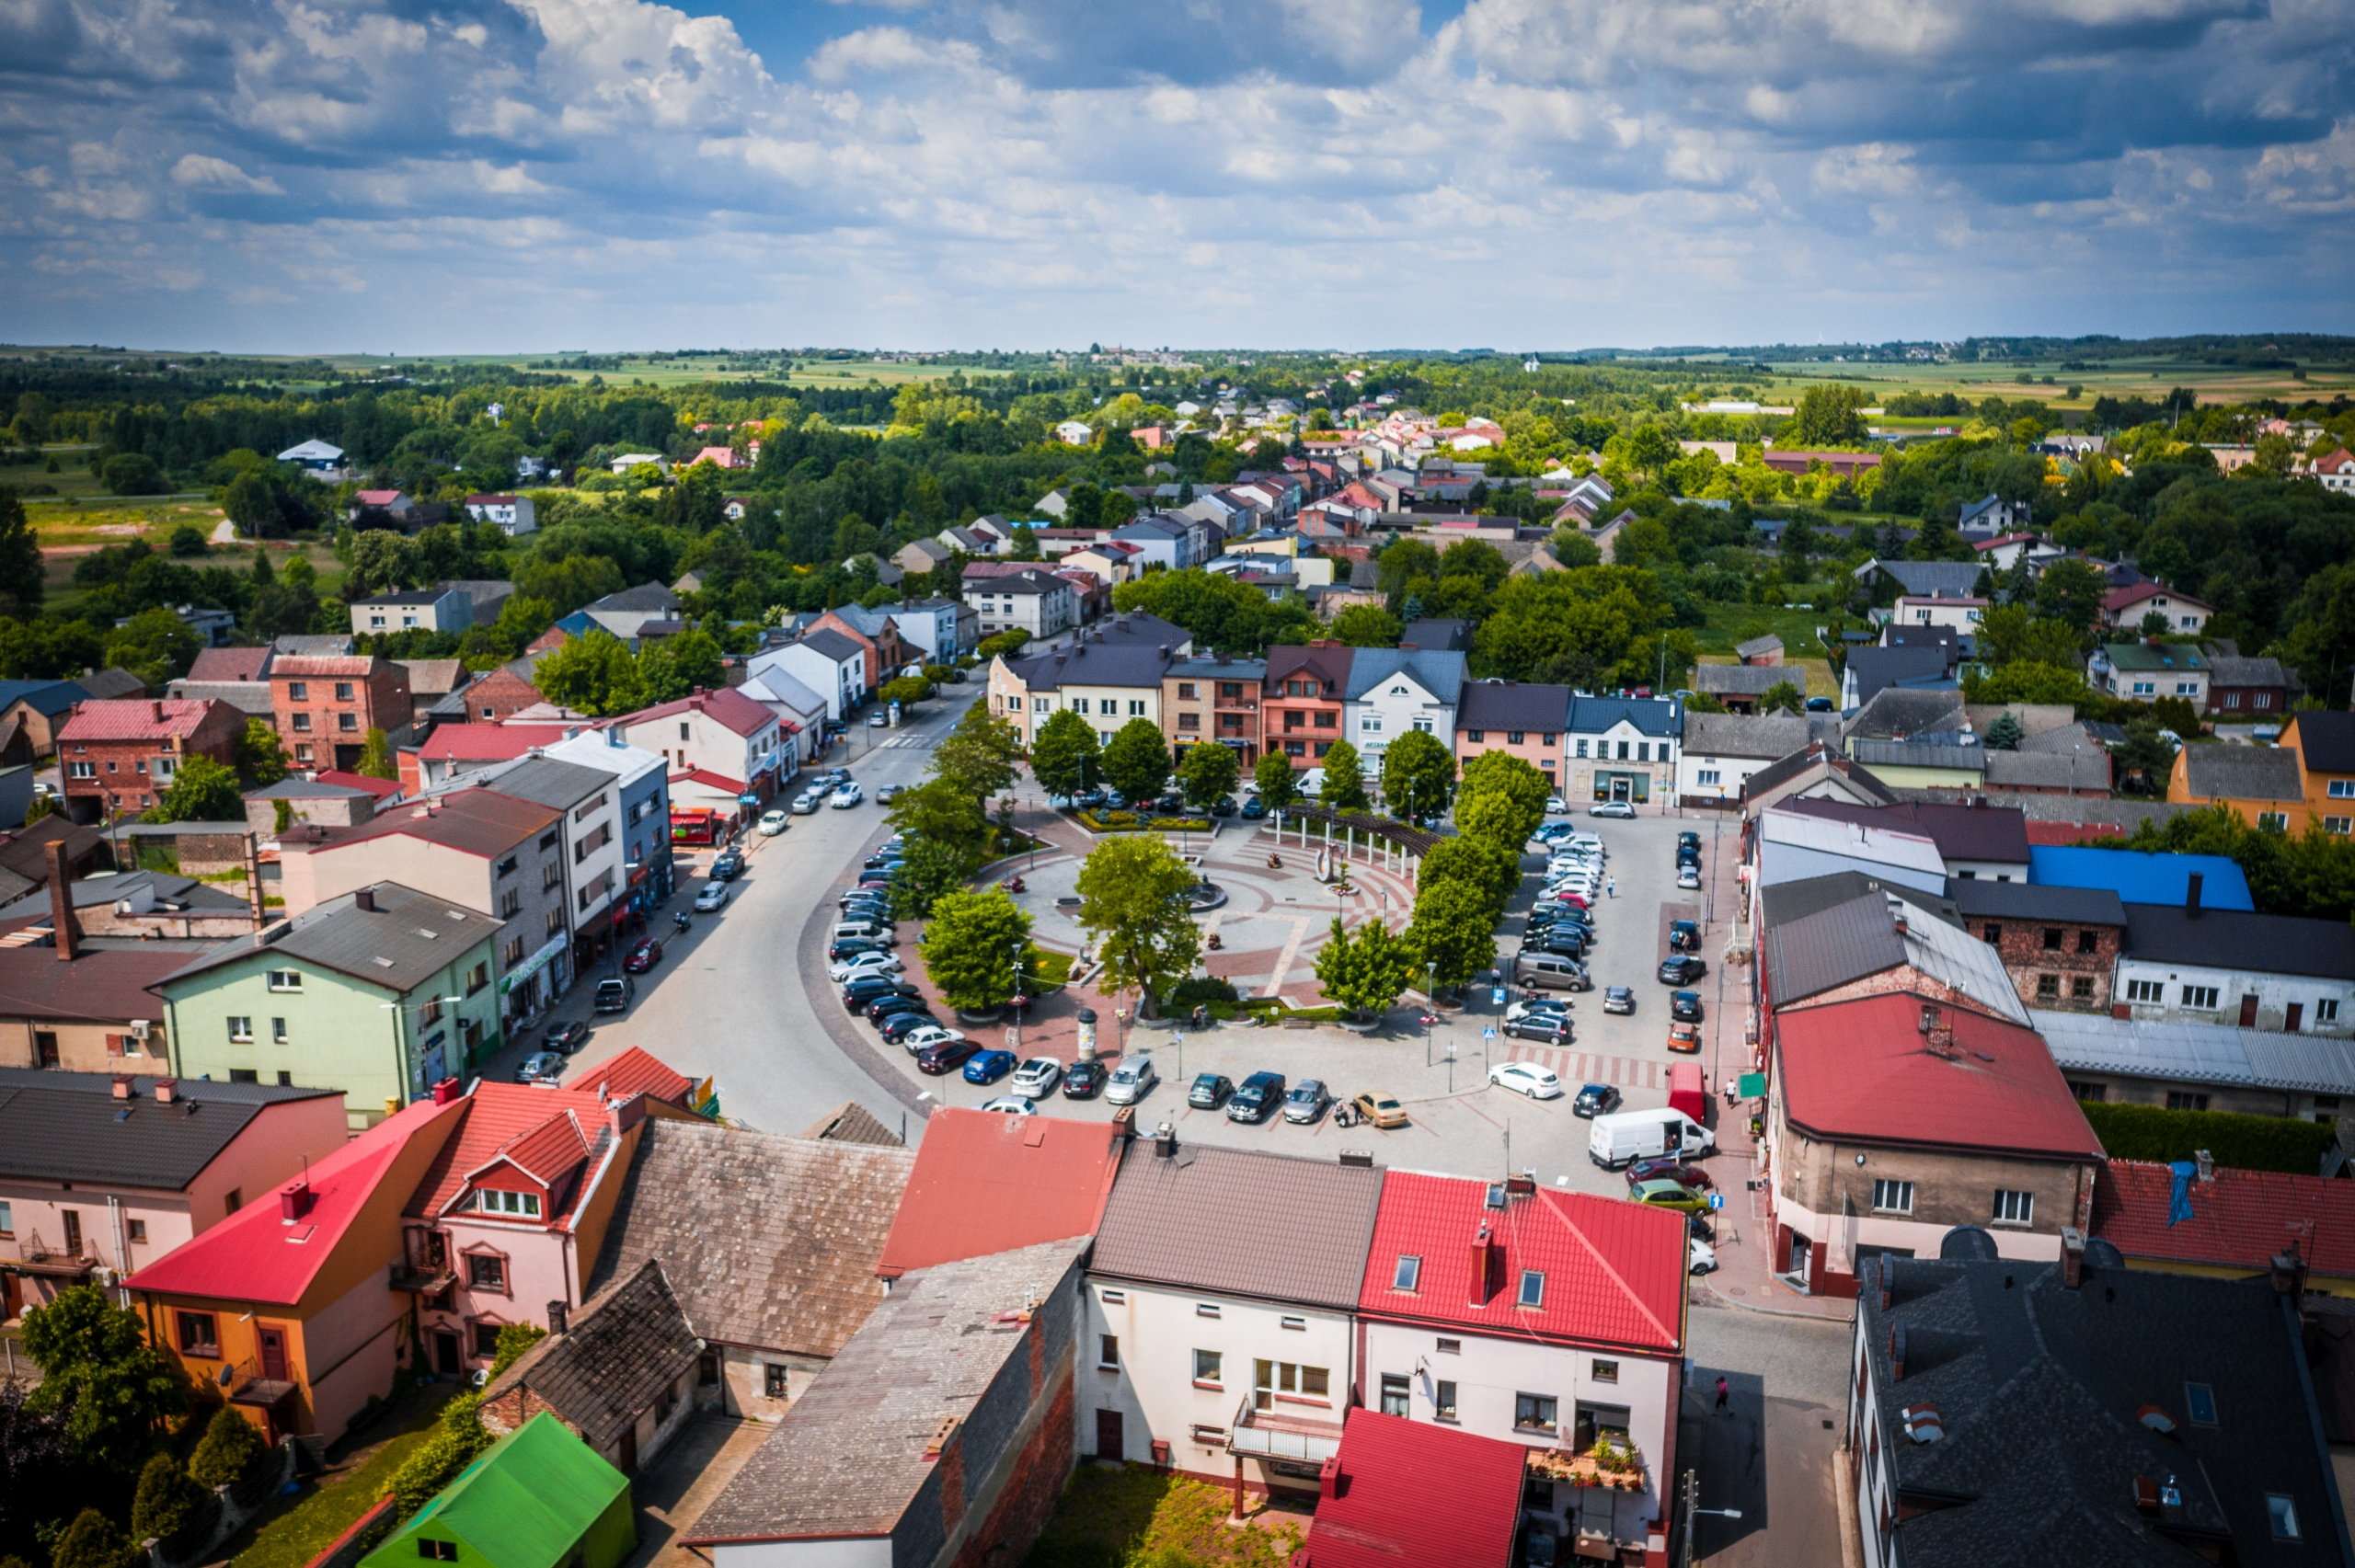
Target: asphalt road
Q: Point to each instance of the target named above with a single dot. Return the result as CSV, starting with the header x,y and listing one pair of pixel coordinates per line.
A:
x,y
1769,1454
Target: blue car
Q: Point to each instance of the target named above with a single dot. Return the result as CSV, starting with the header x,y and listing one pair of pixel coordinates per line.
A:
x,y
1254,808
989,1067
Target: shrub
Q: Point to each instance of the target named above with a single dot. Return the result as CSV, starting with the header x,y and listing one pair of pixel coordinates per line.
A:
x,y
92,1541
513,1340
1196,989
166,1500
455,1444
231,1446
2242,1142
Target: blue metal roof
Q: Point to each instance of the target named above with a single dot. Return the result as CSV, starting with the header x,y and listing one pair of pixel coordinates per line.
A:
x,y
2140,878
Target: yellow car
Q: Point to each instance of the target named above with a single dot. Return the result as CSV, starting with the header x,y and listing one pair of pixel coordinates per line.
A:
x,y
1382,1109
1684,1037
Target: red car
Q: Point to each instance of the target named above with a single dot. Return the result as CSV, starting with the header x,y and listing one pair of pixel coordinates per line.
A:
x,y
642,958
1669,1170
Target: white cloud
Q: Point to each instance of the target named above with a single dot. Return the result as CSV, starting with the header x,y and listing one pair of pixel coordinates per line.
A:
x,y
220,174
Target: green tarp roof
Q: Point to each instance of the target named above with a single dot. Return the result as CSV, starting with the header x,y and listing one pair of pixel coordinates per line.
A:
x,y
525,1504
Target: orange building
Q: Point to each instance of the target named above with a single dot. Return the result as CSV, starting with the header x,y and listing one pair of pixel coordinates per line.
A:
x,y
2308,777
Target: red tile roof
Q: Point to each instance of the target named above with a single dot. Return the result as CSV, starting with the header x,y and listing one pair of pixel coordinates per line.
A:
x,y
316,666
1863,1070
2238,1220
710,780
253,1256
2054,834
2120,598
726,706
230,664
986,1184
1412,1492
488,742
547,1154
136,719
380,788
636,1073
496,1116
1614,1270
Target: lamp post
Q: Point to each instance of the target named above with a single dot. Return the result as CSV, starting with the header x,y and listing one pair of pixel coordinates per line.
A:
x,y
1018,999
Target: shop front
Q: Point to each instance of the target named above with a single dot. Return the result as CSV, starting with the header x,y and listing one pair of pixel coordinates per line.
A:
x,y
532,985
1635,787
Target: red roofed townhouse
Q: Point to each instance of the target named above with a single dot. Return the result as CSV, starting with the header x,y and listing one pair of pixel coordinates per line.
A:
x,y
2240,1221
1893,1120
501,693
326,705
2336,470
2125,607
1550,1320
721,746
118,757
634,1072
986,1184
288,1309
456,749
1408,1492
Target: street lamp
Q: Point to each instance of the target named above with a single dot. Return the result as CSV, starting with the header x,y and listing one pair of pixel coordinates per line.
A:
x,y
1018,999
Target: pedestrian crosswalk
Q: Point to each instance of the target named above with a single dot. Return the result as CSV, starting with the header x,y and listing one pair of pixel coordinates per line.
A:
x,y
897,742
1593,1067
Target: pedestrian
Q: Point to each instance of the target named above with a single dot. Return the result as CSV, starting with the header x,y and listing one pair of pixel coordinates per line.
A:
x,y
1721,1398
1611,886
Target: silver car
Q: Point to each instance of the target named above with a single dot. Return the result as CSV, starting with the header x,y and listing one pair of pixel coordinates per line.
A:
x,y
1307,1101
1130,1082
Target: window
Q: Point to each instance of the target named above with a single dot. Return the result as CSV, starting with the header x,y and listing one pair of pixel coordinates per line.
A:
x,y
303,723
1532,1288
1606,1371
485,1273
1329,721
1644,751
2089,942
348,724
554,922
241,1031
1115,1298
1992,932
478,976
486,1340
2052,939
2180,1101
1534,1412
2081,988
245,1075
2336,824
1294,1326
1209,1368
2326,1011
1394,1394
2283,1514
1370,725
80,769
298,691
286,979
2014,1208
1206,1310
2144,991
277,1030
199,1336
235,1198
2264,699
2275,822
1581,746
1623,750
1288,1379
439,1550
2048,987
2145,688
773,1379
1477,736
7,1220
1893,1197
1708,776
511,904
2200,997
2199,1402
1039,704
1408,1273
495,1202
2342,789
1185,690
285,1080
2186,688
1443,1401
1451,1347
1516,737
302,754
1189,721
1424,724
1079,704
1136,707
135,1229
1108,1352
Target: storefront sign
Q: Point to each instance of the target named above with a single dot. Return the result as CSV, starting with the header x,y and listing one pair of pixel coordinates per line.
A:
x,y
533,965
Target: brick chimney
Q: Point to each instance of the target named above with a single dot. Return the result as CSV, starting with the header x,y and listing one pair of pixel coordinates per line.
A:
x,y
1482,1267
2072,1257
122,1086
166,1090
60,904
364,899
2289,1272
159,710
1937,1030
557,1322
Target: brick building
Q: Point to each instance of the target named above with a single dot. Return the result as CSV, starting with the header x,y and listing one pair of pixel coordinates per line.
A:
x,y
118,757
326,704
2059,945
1303,699
1214,699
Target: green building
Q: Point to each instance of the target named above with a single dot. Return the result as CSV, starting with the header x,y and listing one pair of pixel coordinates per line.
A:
x,y
381,993
537,1498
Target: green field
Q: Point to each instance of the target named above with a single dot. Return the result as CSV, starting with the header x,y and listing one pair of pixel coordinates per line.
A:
x,y
2151,378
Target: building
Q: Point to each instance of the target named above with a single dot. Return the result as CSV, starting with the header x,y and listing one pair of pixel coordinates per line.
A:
x,y
877,631
2193,964
537,1498
2324,744
2060,945
433,683
1765,652
1739,686
772,1244
413,609
1434,635
1893,1119
1404,1491
1108,683
1300,702
922,556
1818,773
1879,944
2086,1411
326,704
1211,1355
943,1430
1960,615
1391,691
2145,671
2257,690
493,697
32,712
1974,839
1721,752
726,752
2217,1222
513,514
118,757
1627,747
597,876
2139,877
619,1373
285,1308
2184,1066
1551,1319
988,1184
487,595
1035,602
142,905
1792,845
942,630
642,780
824,662
1526,720
320,460
111,1171
623,614
454,751
1923,579
2125,609
1870,671
83,1009
1213,698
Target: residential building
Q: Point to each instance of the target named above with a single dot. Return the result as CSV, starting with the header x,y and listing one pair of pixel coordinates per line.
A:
x,y
2324,744
2231,1223
394,504
772,1244
36,710
113,1170
1924,579
1526,720
1549,1319
1739,686
1108,683
1300,702
458,750
944,1430
2189,1066
82,1009
2146,671
489,596
619,1375
722,748
878,636
307,800
1721,752
623,614
1035,602
2125,609
941,630
142,905
1960,615
1994,516
922,556
326,704
1622,748
987,1183
286,1309
1791,845
824,662
2251,689
2148,1418
642,781
1210,1355
1876,944
2085,770
1907,713
413,609
1113,561
118,757
1973,839
1214,699
598,905
1868,671
1892,1120
433,683
1391,691
1169,540
1406,1492
1818,773
1949,640
2193,964
800,711
1433,636
2060,945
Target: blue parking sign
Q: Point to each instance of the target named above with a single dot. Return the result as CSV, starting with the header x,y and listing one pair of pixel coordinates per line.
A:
x,y
1496,997
1717,1200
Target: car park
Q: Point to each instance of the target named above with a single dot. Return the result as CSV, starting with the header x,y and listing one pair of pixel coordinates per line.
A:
x,y
541,1067
1682,970
857,993
1684,1037
1083,1080
1594,1100
1011,1106
565,1038
1567,944
1209,1090
642,956
883,1007
1669,1170
1381,1107
1255,1097
945,1056
1618,809
1039,1075
1545,1028
850,794
1619,1000
1130,1082
1684,1005
713,896
1669,1195
772,823
1526,1077
613,995
1307,1101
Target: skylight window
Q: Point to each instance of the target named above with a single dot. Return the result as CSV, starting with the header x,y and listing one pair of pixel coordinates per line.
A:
x,y
1532,1288
2199,1400
1407,1274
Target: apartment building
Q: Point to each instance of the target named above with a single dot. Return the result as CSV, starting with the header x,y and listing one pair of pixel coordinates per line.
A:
x,y
326,704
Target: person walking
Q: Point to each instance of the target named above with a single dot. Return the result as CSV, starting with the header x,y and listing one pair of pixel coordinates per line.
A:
x,y
1721,1398
1611,886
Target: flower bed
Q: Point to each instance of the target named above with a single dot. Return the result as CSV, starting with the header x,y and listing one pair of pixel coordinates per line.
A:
x,y
1130,822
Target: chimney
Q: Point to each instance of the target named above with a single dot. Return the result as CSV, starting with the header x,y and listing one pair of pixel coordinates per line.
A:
x,y
1897,1352
1937,1030
1481,1253
2206,1163
254,895
1328,1479
2289,1273
364,900
444,1091
2072,1257
60,904
556,1318
295,1200
2191,897
166,1090
1901,924
1165,1142
122,1086
624,1115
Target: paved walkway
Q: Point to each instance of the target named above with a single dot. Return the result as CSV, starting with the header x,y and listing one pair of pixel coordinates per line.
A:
x,y
672,1493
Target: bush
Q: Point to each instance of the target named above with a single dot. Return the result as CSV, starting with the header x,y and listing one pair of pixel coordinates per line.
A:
x,y
231,1446
513,1340
166,1500
455,1444
129,474
92,1541
1196,989
2243,1142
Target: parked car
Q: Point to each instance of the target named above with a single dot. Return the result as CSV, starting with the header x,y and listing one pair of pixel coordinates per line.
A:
x,y
1688,876
1619,999
772,823
1669,1195
1381,1107
1618,809
945,1056
1684,1005
1210,1090
1556,805
565,1038
1307,1101
1083,1080
1819,705
1255,1097
806,804
1223,807
1595,1100
1526,1077
1545,1028
929,1032
1547,1006
899,1028
1253,809
541,1067
857,993
852,946
883,1007
1702,1257
888,793
1011,1104
1130,1082
1683,937
713,896
642,956
986,1066
1682,970
879,719
1688,837
613,995
1684,1037
1669,1170
850,794
727,865
1039,1075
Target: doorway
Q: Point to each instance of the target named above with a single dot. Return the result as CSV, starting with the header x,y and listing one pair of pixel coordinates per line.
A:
x,y
445,1354
629,1456
1108,1445
273,1355
45,1046
73,1218
1802,1256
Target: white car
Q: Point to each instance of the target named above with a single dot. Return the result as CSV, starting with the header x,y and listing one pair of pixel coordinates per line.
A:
x,y
1130,1082
1520,1010
1701,1259
541,1067
1011,1104
774,823
1623,809
1039,1075
1526,1077
1688,876
850,794
714,894
806,804
930,1034
1554,807
865,963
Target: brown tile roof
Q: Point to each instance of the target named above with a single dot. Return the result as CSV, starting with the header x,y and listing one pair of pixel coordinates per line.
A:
x,y
25,850
1171,1221
476,821
772,1240
624,1347
134,719
851,1123
102,986
317,665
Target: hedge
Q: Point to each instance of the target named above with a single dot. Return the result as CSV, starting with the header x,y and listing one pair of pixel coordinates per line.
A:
x,y
1129,822
2242,1142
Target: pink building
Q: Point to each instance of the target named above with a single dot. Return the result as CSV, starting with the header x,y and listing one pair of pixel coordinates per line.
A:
x,y
1529,721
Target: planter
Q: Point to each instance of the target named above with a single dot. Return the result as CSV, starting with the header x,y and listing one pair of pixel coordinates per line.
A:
x,y
1366,1026
985,1015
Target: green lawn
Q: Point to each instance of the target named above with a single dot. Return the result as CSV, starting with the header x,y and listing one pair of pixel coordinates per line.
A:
x,y
1136,1517
312,1524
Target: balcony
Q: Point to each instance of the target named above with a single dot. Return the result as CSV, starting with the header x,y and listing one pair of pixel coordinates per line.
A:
x,y
1264,1435
1612,1464
35,1256
422,1280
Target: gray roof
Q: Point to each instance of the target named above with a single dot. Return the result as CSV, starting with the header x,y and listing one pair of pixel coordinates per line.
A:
x,y
833,644
407,596
1917,754
1780,903
1510,705
851,1123
2062,740
646,596
1743,679
1983,898
848,1458
1770,643
2047,770
1041,581
1434,634
1651,715
1962,831
623,1348
1743,734
1819,754
69,1127
1878,671
1848,942
313,645
2199,1053
2227,672
772,1241
1932,579
1091,664
2241,773
1171,1221
545,781
249,697
405,941
1438,672
168,892
2238,939
295,788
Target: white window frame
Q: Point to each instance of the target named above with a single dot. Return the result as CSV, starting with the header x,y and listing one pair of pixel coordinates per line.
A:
x,y
1891,1196
2013,1207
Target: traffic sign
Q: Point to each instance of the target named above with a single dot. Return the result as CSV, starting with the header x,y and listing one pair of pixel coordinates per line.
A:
x,y
1496,997
1717,1200
1487,1034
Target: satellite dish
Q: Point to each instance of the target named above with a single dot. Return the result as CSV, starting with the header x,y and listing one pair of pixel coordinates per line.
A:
x,y
2103,1254
1968,1243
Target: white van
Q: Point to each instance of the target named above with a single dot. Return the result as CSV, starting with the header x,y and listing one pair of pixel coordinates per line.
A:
x,y
866,930
1625,1135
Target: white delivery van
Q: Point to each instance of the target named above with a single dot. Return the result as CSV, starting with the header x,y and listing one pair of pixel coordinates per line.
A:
x,y
866,931
1625,1135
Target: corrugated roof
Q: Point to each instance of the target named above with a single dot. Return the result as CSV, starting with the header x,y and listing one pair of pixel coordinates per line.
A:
x,y
1830,948
2138,877
1509,705
2088,770
547,781
488,742
2238,1220
1984,897
984,1182
1171,1221
529,1502
406,940
624,1347
2239,939
2241,773
1898,849
68,1126
1413,1492
2199,1053
1782,902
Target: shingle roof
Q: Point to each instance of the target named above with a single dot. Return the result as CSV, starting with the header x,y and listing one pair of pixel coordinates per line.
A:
x,y
402,943
50,697
2241,773
833,644
1439,672
1780,904
1433,633
983,1183
622,1348
69,1127
1737,680
1171,1221
1510,705
646,596
1977,897
1091,665
2223,671
2327,740
2239,939
1773,775
1942,579
1412,1492
771,1242
1961,832
851,1122
106,985
1651,715
134,719
169,893
1888,754
1743,734
1890,712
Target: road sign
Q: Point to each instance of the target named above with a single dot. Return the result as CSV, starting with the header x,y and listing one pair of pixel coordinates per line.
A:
x,y
1717,1200
1487,1034
1752,1085
1496,997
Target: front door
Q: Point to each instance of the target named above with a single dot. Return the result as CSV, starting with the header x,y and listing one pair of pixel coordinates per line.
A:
x,y
2248,1012
1107,1434
445,1355
1802,1255
1619,788
629,1448
273,1355
2291,1015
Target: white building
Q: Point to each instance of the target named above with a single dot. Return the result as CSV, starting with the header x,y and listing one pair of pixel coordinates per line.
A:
x,y
427,610
825,663
721,746
801,712
1038,603
2185,963
1393,692
1622,748
1071,432
595,861
513,514
630,460
320,460
1721,750
1963,614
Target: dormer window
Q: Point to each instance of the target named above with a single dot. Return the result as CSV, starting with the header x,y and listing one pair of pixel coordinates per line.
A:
x,y
492,1202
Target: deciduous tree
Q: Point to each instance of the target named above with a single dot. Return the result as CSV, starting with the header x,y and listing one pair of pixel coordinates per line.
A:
x,y
1418,776
1365,970
980,754
971,946
1783,696
1453,930
203,791
1132,893
1209,773
1502,800
1344,782
261,761
1137,761
1278,787
1064,757
115,1389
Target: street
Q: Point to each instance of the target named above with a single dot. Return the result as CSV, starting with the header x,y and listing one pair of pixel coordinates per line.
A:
x,y
1770,1454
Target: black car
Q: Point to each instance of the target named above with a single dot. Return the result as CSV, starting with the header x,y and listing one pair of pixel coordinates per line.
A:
x,y
1223,807
1210,1090
1682,970
729,866
883,863
1684,1006
613,994
1170,804
1256,1099
951,1055
1577,920
1564,944
852,946
1688,837
1595,1100
858,994
1683,937
1546,1029
898,1026
883,1007
565,1038
1083,1080
1687,854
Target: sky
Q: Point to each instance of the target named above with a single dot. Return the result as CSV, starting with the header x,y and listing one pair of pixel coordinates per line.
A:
x,y
412,177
